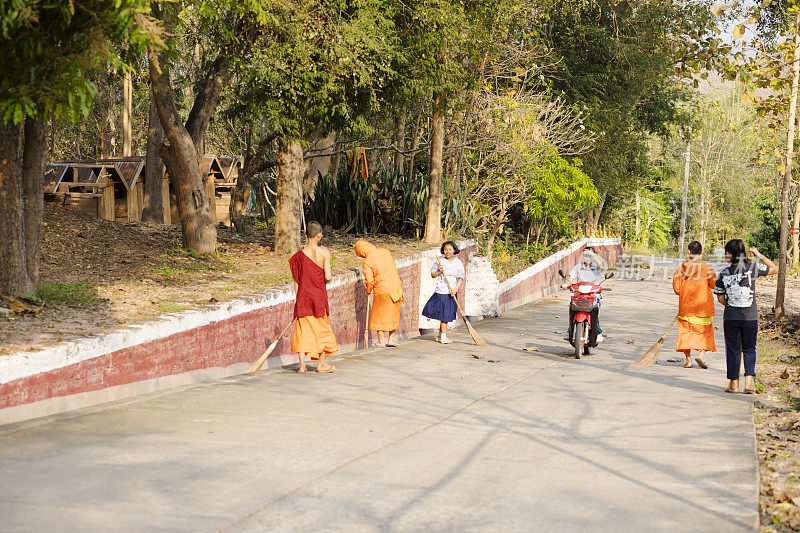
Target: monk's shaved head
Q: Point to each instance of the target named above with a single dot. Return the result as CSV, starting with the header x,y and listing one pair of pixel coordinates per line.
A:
x,y
313,229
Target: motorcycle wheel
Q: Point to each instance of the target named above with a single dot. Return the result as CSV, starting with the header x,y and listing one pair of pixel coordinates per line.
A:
x,y
580,329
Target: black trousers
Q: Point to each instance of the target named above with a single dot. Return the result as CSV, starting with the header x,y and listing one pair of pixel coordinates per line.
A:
x,y
740,337
594,327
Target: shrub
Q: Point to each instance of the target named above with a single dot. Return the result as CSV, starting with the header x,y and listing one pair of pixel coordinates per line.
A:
x,y
71,294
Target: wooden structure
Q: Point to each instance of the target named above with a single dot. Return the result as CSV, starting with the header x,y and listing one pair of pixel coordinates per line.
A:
x,y
113,188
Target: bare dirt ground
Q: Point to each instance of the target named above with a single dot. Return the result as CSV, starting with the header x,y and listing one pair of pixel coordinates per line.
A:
x,y
138,271
777,409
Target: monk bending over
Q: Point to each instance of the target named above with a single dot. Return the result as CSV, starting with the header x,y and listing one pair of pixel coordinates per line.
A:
x,y
381,279
311,270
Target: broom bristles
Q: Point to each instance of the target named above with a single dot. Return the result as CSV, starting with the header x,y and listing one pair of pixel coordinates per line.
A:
x,y
474,334
649,357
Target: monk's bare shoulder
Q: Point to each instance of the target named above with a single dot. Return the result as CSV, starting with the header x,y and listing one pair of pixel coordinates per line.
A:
x,y
325,252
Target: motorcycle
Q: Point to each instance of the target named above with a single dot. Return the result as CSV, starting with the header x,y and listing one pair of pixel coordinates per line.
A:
x,y
585,299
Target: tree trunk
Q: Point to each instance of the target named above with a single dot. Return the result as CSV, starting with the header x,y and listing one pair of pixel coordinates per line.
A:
x,y
288,214
33,194
795,236
490,241
127,111
780,293
400,141
433,219
337,159
638,217
153,210
21,205
181,154
599,210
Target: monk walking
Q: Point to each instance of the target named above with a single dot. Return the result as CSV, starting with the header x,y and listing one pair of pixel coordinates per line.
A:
x,y
383,281
311,270
693,283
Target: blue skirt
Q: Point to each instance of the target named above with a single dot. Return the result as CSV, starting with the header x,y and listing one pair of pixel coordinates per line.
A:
x,y
441,307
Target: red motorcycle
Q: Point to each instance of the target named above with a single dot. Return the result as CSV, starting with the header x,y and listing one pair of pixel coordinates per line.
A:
x,y
585,300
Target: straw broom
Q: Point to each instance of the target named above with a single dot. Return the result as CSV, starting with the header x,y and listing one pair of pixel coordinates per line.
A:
x,y
257,365
472,333
649,357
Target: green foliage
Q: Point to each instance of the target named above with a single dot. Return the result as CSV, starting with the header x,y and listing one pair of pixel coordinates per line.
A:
x,y
314,62
48,49
71,294
767,235
616,61
383,204
652,219
559,189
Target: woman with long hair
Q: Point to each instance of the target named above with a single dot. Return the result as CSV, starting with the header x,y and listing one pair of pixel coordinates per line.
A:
x,y
736,290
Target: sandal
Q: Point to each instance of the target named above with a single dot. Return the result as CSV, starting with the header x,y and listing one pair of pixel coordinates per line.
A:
x,y
749,391
700,363
688,365
326,370
732,391
301,371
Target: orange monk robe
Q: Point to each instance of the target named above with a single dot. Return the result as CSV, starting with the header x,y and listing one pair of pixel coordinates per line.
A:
x,y
692,283
312,330
382,279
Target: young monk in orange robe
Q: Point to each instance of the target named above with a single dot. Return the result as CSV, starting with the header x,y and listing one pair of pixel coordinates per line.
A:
x,y
311,270
382,279
692,283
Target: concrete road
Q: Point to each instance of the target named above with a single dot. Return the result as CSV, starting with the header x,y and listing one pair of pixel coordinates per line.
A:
x,y
418,438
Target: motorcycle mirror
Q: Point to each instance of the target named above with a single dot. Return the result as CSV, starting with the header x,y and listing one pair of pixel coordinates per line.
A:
x,y
561,273
609,275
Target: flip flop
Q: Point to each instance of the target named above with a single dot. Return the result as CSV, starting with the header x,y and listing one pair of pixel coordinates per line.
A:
x,y
687,365
326,371
732,391
301,371
700,363
749,391
391,345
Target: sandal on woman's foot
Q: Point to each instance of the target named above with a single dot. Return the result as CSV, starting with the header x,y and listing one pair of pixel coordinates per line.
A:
x,y
326,370
301,371
700,363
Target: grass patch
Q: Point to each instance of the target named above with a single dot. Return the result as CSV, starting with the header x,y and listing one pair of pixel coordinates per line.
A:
x,y
70,294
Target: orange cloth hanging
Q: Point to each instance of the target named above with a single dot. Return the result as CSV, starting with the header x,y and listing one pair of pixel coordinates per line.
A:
x,y
357,163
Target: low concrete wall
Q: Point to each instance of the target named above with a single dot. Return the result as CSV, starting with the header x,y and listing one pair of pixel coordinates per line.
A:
x,y
191,346
542,280
223,340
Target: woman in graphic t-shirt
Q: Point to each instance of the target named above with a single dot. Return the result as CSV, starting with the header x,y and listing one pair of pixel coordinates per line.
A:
x,y
736,290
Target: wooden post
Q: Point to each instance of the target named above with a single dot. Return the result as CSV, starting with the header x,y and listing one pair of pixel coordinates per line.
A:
x,y
127,111
212,200
133,204
106,207
165,200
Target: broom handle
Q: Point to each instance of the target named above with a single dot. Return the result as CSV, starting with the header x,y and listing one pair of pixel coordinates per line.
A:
x,y
257,364
664,336
366,321
441,269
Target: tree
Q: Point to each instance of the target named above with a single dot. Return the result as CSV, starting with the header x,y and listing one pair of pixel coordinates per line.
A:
x,y
762,55
317,68
47,51
185,139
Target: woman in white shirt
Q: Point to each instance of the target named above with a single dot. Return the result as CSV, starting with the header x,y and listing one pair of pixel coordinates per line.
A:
x,y
442,305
